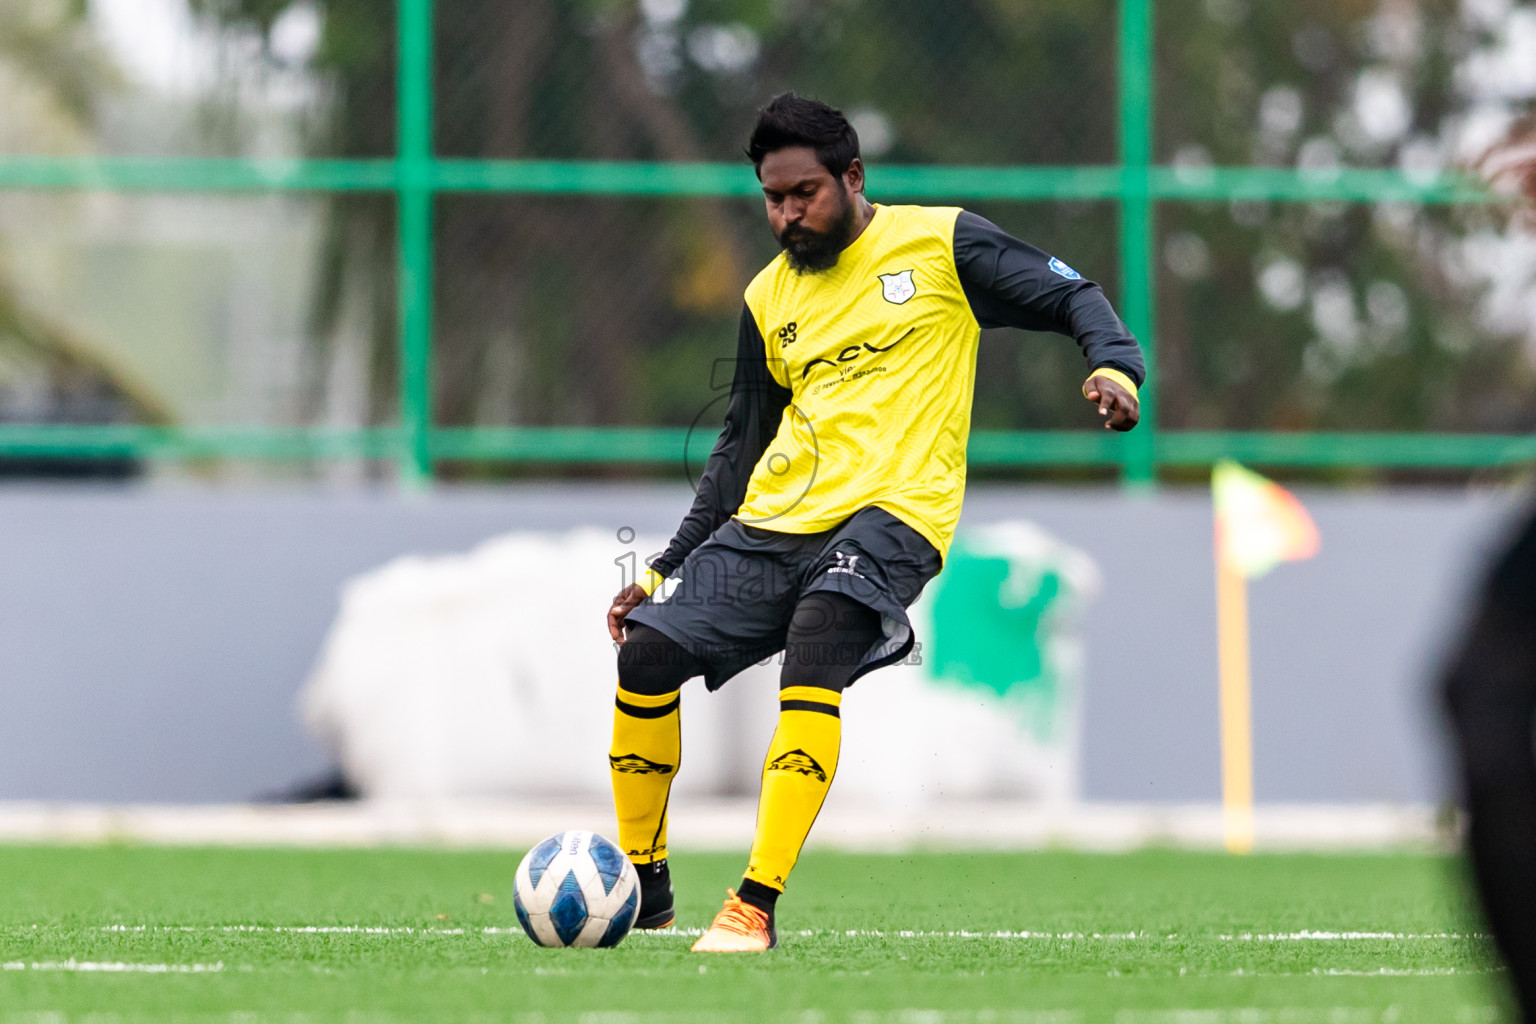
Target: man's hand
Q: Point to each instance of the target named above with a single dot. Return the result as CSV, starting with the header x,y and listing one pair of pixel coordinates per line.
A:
x,y
623,603
1119,408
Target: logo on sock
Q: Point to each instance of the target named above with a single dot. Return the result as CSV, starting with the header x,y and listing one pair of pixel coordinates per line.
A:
x,y
798,761
634,764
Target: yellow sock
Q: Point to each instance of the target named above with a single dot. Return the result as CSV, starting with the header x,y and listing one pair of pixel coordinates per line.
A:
x,y
796,776
647,742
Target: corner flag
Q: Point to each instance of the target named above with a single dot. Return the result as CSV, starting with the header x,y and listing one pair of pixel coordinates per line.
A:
x,y
1259,524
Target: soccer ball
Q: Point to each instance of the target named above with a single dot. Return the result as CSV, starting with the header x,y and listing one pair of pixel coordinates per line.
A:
x,y
576,889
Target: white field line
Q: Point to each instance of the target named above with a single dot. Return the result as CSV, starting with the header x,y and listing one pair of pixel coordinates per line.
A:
x,y
810,933
1376,972
92,967
1296,1015
1301,936
1311,936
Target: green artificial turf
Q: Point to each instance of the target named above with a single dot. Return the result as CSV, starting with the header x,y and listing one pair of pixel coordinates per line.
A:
x,y
1157,937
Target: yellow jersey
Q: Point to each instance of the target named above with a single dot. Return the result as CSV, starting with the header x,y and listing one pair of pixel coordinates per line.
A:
x,y
853,386
879,353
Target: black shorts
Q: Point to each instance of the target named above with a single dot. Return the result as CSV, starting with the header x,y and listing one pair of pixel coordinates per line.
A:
x,y
730,602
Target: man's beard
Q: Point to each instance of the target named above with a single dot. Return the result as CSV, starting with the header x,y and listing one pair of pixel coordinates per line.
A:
x,y
811,252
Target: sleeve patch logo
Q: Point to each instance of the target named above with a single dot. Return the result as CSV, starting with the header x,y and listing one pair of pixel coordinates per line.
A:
x,y
1065,271
898,288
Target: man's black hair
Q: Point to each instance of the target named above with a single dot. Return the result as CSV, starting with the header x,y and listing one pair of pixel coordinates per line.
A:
x,y
790,120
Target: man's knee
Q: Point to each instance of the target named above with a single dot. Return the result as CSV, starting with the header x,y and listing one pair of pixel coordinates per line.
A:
x,y
652,663
823,613
829,636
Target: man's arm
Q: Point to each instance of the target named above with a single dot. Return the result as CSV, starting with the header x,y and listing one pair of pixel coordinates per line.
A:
x,y
1010,283
752,419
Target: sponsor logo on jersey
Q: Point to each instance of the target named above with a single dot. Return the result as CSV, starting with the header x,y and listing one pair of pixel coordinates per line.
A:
x,y
851,353
897,288
798,761
634,764
787,334
1063,270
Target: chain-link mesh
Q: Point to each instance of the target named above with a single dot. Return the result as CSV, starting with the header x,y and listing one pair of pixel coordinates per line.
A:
x,y
1330,316
557,321
973,81
1315,84
194,78
608,310
169,310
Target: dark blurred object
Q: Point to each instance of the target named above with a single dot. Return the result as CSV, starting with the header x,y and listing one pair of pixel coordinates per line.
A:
x,y
59,467
1490,694
333,785
108,409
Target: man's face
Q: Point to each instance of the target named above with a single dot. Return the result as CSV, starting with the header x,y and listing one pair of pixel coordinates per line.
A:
x,y
810,211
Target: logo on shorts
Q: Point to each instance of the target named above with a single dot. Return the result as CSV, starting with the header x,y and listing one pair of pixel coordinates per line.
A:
x,y
897,288
634,764
846,563
798,761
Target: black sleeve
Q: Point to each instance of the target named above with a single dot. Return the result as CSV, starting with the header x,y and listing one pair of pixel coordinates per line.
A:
x,y
1010,283
757,405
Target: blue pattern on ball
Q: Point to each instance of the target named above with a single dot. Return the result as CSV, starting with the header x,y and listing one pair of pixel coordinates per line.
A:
x,y
609,860
522,917
620,925
538,860
568,913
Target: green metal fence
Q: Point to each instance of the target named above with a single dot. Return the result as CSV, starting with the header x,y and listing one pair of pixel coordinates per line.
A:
x,y
416,178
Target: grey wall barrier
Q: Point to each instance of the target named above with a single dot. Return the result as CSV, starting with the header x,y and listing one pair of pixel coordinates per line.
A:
x,y
153,639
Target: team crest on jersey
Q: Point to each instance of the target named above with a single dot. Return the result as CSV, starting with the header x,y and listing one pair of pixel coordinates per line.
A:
x,y
898,288
1065,271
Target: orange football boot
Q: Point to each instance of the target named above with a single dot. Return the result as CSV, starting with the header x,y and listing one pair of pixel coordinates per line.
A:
x,y
738,928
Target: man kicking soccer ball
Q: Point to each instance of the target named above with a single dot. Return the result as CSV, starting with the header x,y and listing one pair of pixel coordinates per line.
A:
x,y
831,497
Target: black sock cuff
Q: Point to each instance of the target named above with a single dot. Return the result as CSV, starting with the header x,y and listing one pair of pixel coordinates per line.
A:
x,y
758,895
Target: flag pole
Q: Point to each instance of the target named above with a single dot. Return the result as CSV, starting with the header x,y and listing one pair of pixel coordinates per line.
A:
x,y
1259,524
1236,705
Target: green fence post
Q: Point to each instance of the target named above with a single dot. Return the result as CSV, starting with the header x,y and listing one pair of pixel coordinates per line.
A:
x,y
414,217
1137,269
